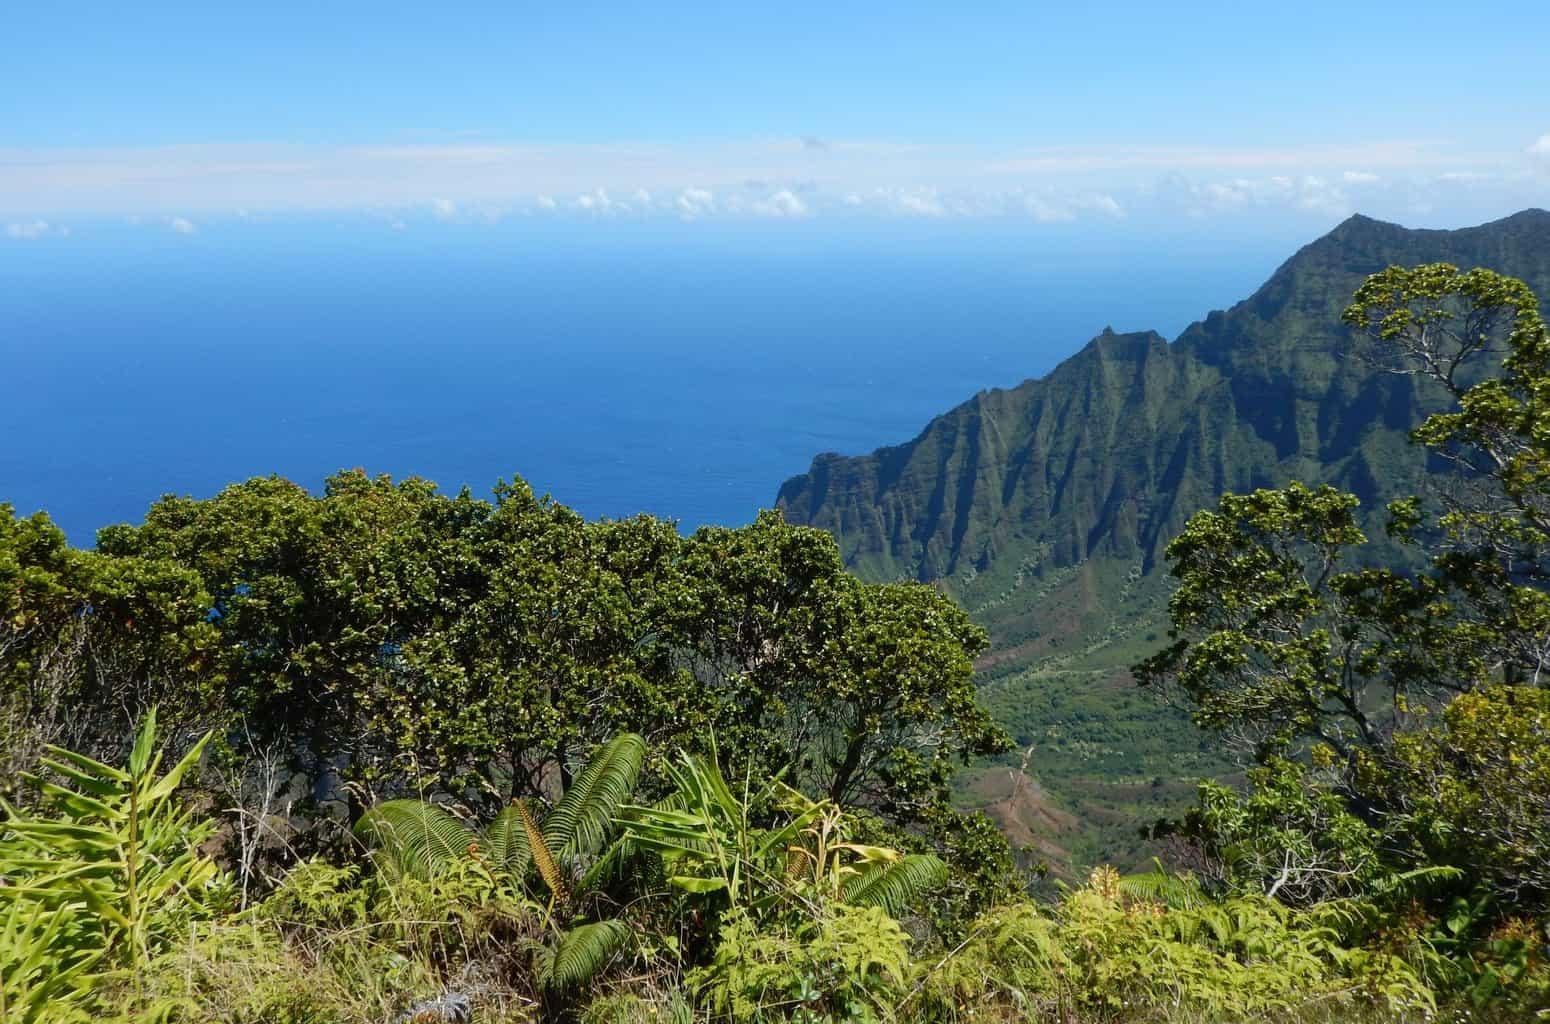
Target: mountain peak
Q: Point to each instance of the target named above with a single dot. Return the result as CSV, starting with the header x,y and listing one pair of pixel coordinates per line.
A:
x,y
1361,225
1106,457
1532,215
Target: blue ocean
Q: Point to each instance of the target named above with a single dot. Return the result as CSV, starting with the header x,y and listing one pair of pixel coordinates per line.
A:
x,y
680,369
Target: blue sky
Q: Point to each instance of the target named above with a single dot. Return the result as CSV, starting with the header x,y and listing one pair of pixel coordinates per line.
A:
x,y
185,115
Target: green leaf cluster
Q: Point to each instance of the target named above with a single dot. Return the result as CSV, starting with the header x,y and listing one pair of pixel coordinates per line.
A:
x,y
99,882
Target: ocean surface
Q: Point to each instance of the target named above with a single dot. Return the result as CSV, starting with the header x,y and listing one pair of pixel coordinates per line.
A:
x,y
682,369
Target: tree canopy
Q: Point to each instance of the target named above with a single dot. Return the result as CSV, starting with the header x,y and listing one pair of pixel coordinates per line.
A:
x,y
385,632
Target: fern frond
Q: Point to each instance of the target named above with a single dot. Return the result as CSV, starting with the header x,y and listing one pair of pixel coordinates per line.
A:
x,y
580,822
506,843
415,838
543,858
1180,892
892,886
583,952
1408,883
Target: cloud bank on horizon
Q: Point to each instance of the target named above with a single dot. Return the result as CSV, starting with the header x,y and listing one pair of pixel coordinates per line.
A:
x,y
41,189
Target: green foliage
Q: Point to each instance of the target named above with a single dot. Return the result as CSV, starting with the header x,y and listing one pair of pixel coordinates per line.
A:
x,y
88,643
1436,322
893,886
1290,836
1279,643
1474,790
46,959
1403,736
813,936
708,836
103,879
1102,951
762,852
583,952
583,818
417,839
850,963
421,841
476,646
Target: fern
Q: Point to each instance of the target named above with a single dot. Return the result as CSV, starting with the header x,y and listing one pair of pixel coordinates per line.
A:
x,y
580,822
506,842
894,885
583,952
419,840
415,839
1179,892
1408,884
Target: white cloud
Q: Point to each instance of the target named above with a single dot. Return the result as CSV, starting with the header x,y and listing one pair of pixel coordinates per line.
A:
x,y
695,202
182,225
206,178
31,231
917,202
1106,205
1052,208
1046,212
768,177
1309,193
912,202
784,203
599,201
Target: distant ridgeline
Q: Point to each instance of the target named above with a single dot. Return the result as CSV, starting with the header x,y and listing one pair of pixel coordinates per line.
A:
x,y
1045,508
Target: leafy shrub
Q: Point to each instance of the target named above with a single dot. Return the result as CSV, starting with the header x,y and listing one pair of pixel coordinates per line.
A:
x,y
1105,954
850,963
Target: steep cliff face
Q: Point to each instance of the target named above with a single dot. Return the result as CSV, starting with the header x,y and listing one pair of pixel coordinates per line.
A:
x,y
1110,453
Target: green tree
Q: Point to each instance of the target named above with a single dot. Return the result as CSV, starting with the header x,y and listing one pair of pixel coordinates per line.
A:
x,y
388,632
1492,540
88,643
1396,709
1282,638
1279,629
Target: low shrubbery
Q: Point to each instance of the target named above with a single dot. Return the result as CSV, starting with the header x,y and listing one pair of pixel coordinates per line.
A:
x,y
719,901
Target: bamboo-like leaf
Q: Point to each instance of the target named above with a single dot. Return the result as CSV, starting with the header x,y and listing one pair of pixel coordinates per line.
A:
x,y
140,755
174,776
97,783
694,884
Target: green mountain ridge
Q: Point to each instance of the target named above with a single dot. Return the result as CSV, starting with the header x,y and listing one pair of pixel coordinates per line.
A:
x,y
1045,508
